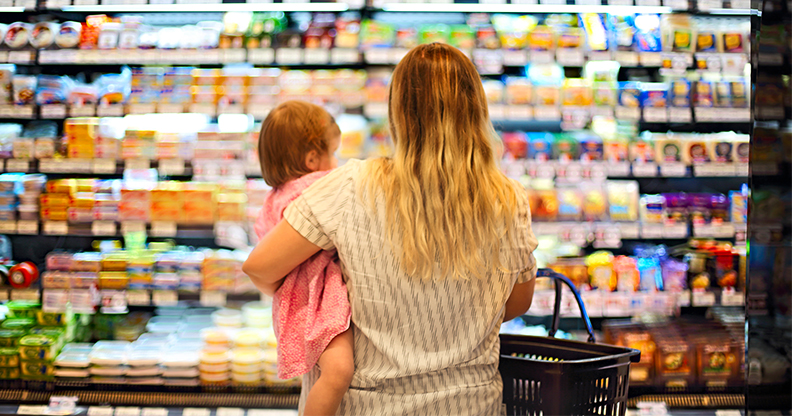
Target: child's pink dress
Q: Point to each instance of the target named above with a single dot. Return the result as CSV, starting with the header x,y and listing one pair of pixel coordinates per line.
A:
x,y
311,307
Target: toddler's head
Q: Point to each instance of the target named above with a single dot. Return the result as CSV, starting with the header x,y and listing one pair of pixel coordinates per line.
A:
x,y
297,138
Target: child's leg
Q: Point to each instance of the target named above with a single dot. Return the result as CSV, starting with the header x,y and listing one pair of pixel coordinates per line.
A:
x,y
337,366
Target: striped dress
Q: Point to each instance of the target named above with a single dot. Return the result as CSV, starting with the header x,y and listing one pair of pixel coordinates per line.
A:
x,y
421,347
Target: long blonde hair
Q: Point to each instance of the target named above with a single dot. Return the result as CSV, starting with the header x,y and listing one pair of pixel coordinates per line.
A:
x,y
447,203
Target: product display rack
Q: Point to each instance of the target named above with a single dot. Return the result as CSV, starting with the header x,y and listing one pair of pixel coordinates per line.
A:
x,y
651,178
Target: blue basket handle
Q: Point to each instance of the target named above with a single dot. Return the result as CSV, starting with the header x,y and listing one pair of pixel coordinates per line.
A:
x,y
558,278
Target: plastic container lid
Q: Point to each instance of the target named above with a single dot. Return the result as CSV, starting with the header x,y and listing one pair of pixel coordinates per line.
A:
x,y
176,359
214,368
148,381
144,357
246,368
246,377
270,356
215,377
227,317
148,371
215,336
250,338
73,359
215,356
107,357
110,371
72,372
245,356
185,372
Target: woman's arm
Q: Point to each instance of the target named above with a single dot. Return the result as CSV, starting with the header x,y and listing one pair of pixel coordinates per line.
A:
x,y
520,300
280,251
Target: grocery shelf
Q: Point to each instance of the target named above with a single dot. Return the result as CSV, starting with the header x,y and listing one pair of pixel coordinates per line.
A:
x,y
204,7
521,8
125,396
12,9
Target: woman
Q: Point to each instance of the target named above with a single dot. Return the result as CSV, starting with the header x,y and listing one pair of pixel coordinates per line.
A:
x,y
435,246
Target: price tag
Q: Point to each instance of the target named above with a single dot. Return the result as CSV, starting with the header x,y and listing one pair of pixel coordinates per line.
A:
x,y
626,58
82,111
618,169
651,59
702,230
4,295
515,58
163,228
56,227
137,164
232,109
652,231
171,167
675,231
673,170
519,112
677,4
133,227
547,113
203,108
212,298
655,115
230,411
731,298
53,111
27,227
629,230
705,114
164,298
127,411
20,57
146,108
741,169
497,112
703,298
572,172
602,111
644,170
103,228
233,55
679,115
344,55
104,166
8,227
628,113
542,57
261,56
25,294
599,55
723,231
570,56
54,300
138,297
194,411
112,110
18,111
317,56
289,56
155,411
377,56
25,409
17,165
170,108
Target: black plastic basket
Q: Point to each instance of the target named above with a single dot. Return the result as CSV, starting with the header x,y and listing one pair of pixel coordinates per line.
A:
x,y
549,377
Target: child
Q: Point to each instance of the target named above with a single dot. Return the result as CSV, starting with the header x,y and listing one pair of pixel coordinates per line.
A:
x,y
310,310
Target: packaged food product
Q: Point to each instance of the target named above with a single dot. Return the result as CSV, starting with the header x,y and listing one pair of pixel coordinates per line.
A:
x,y
68,35
676,208
648,34
668,148
43,35
652,209
17,35
24,89
623,200
630,94
626,271
595,203
600,270
695,151
704,94
679,93
37,347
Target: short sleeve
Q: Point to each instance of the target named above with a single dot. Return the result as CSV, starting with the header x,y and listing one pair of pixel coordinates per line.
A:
x,y
316,214
524,240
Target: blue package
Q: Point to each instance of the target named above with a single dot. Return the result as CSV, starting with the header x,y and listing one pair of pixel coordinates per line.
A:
x,y
630,94
622,31
654,95
540,146
679,93
647,34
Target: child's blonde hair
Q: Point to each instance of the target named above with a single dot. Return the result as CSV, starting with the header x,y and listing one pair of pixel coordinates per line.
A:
x,y
288,134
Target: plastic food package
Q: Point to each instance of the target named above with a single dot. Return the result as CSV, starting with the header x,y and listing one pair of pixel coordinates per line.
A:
x,y
623,200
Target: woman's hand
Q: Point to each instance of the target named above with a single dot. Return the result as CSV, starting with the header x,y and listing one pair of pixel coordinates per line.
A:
x,y
280,251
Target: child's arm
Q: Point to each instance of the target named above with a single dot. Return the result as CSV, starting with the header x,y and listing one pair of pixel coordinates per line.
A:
x,y
278,253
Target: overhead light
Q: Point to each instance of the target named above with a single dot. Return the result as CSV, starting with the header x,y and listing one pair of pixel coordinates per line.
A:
x,y
735,12
217,7
521,8
12,9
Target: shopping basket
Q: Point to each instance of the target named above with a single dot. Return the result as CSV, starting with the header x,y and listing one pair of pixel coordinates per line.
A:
x,y
550,377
